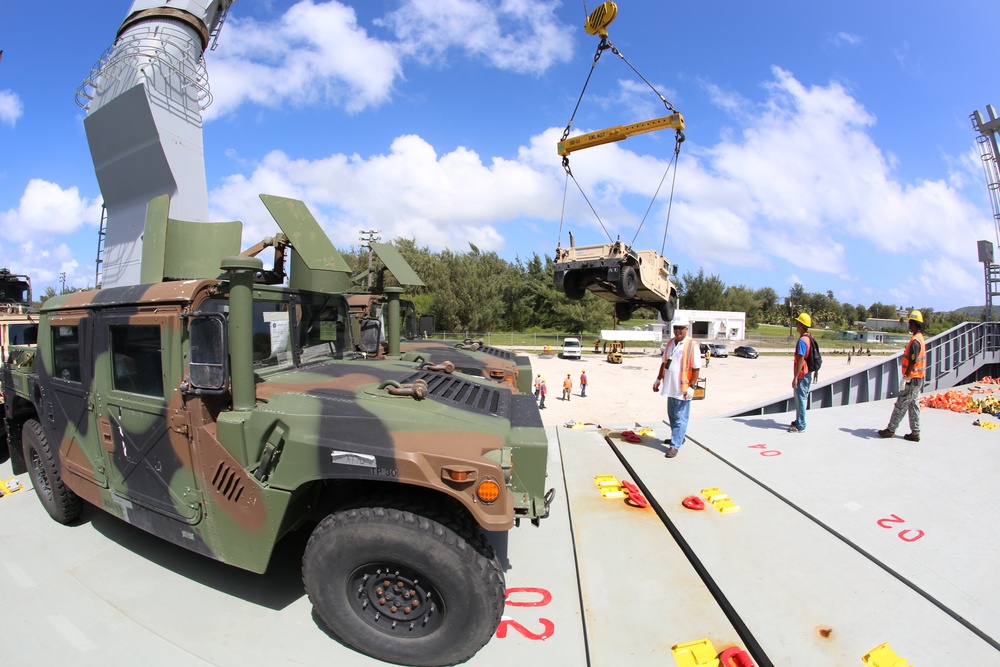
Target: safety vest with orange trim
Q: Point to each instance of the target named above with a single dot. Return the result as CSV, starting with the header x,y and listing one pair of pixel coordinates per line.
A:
x,y
915,357
687,360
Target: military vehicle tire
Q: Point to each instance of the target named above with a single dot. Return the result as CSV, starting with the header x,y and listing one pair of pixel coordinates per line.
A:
x,y
628,282
444,577
623,311
667,309
575,285
43,467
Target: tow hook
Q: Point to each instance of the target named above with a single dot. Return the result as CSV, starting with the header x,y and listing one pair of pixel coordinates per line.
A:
x,y
417,389
547,498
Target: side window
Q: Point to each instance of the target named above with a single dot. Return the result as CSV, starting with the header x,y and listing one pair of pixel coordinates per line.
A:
x,y
66,352
137,361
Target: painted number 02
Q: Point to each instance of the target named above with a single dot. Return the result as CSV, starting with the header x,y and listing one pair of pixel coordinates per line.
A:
x,y
526,597
907,534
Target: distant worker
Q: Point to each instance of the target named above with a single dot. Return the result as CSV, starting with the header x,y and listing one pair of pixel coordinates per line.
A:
x,y
567,387
583,384
538,385
679,371
708,355
914,363
801,377
542,391
597,344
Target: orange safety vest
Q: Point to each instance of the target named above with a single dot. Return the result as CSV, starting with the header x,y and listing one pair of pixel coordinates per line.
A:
x,y
583,378
915,360
805,367
687,360
567,384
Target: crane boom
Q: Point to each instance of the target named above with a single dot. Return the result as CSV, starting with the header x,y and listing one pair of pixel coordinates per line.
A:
x,y
619,132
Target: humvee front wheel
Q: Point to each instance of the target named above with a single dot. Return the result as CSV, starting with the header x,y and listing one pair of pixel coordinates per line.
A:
x,y
58,500
628,282
403,587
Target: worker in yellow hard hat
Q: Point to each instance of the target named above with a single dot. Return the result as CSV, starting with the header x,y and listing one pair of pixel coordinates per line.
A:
x,y
801,375
914,368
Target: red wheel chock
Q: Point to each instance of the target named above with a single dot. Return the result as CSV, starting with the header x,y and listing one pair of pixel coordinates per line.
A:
x,y
734,656
693,503
630,436
633,495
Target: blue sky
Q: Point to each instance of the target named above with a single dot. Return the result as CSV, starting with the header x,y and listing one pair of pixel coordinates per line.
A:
x,y
827,143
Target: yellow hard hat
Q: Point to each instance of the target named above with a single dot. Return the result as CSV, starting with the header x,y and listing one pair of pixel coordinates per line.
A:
x,y
916,316
805,320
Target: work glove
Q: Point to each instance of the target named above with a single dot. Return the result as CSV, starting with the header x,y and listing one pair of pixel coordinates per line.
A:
x,y
689,393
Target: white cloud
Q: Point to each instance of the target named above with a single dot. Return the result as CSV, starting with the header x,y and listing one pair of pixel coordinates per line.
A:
x,y
441,201
846,39
46,210
11,107
516,35
317,53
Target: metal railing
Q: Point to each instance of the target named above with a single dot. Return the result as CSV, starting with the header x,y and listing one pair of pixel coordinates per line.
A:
x,y
958,356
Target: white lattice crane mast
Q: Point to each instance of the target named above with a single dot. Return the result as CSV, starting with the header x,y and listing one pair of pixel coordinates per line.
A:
x,y
144,99
987,142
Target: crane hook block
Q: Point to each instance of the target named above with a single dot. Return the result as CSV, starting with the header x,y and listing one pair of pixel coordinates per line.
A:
x,y
619,132
599,19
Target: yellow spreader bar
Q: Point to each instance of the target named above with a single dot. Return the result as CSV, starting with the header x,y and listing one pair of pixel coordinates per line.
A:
x,y
619,132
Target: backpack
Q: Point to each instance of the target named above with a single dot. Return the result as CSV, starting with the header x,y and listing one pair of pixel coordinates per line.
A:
x,y
814,360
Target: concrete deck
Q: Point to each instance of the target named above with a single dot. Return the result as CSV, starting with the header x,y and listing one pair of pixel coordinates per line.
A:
x,y
844,541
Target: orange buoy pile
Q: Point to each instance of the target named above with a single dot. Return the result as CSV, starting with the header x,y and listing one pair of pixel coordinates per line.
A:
x,y
958,400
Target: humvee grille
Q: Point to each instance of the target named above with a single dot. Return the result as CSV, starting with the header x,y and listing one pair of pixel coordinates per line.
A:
x,y
228,481
497,352
463,393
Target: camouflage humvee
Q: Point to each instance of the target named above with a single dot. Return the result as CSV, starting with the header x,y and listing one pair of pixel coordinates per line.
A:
x,y
615,272
221,415
18,326
470,357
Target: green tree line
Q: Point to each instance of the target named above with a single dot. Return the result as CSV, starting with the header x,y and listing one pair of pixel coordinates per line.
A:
x,y
480,291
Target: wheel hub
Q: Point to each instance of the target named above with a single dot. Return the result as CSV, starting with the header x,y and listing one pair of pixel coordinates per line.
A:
x,y
396,600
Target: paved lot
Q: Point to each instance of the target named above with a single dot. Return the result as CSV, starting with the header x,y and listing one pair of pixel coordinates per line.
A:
x,y
623,393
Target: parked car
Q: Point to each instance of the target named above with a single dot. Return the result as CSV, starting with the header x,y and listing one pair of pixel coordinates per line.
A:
x,y
571,348
718,350
746,351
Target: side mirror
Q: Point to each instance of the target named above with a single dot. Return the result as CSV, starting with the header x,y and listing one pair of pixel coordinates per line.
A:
x,y
209,365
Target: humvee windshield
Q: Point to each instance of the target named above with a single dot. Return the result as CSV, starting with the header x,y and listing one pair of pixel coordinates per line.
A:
x,y
317,323
22,334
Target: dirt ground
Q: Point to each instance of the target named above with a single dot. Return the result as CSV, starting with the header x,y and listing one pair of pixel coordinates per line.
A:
x,y
623,394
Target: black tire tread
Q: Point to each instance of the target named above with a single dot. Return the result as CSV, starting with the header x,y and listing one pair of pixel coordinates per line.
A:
x,y
64,506
454,531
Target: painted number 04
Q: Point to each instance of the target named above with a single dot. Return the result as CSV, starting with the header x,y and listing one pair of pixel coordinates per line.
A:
x,y
907,535
526,597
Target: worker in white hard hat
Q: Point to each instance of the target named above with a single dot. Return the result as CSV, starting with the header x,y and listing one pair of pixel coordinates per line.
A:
x,y
678,371
914,365
801,377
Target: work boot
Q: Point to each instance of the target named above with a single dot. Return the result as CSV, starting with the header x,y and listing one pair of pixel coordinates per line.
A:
x,y
912,437
886,433
671,452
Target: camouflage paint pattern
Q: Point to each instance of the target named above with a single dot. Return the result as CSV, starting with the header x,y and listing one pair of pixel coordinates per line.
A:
x,y
229,484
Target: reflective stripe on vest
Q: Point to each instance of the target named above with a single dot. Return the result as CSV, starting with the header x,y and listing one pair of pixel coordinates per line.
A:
x,y
915,360
687,360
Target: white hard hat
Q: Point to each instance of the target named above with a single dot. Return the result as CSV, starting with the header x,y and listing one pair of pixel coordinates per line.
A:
x,y
679,322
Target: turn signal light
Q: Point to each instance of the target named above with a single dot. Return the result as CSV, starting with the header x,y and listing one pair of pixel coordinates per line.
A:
x,y
488,491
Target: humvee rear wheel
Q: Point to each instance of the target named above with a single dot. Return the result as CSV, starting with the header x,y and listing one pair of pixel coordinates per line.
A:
x,y
623,311
667,309
627,282
59,501
575,285
403,587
